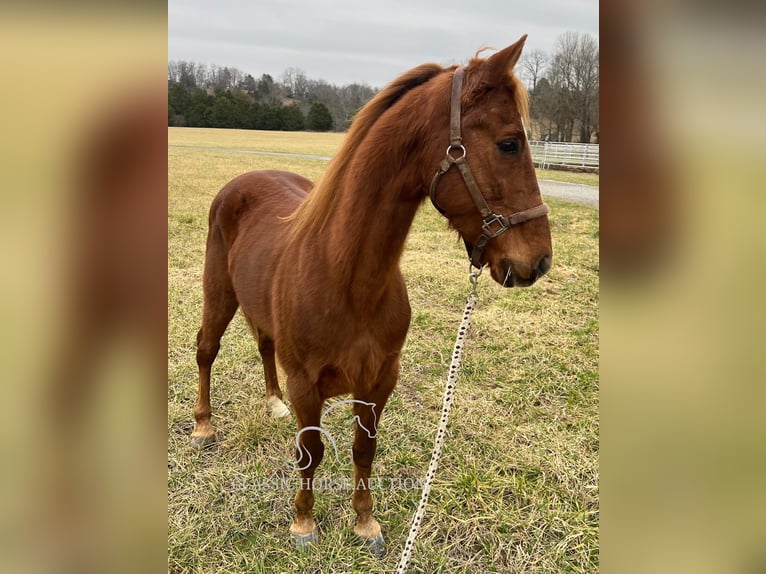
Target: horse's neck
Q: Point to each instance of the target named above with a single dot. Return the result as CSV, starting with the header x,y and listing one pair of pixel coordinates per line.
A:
x,y
368,228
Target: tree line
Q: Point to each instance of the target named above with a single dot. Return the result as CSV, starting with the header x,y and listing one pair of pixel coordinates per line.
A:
x,y
201,95
563,93
563,89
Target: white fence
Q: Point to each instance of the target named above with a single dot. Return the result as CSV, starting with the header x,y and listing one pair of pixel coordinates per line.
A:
x,y
546,154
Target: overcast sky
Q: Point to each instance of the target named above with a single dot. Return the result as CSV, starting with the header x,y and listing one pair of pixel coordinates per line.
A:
x,y
345,41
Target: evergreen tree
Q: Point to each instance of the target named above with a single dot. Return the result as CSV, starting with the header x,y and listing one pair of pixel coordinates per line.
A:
x,y
251,102
199,112
255,119
223,112
272,119
319,118
242,103
179,99
292,118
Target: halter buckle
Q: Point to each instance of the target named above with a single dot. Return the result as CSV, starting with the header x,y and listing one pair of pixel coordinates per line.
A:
x,y
489,221
456,148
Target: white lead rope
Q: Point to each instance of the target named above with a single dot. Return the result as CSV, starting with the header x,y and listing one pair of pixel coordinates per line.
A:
x,y
457,357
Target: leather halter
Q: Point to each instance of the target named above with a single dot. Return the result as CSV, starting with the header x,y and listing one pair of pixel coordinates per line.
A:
x,y
493,224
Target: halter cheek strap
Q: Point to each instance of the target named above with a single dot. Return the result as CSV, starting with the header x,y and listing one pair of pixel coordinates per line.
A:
x,y
493,224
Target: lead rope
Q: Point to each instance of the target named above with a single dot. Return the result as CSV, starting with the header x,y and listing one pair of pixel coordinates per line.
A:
x,y
457,357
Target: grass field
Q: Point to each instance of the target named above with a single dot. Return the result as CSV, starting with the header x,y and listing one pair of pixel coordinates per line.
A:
x,y
569,176
517,487
308,143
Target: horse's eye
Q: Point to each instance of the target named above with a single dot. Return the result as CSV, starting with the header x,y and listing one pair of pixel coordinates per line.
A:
x,y
509,147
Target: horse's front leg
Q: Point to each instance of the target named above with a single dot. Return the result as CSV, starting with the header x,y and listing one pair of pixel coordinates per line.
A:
x,y
309,452
367,413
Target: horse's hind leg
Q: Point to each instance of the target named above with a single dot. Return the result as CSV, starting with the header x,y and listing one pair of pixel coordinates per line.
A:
x,y
277,408
219,306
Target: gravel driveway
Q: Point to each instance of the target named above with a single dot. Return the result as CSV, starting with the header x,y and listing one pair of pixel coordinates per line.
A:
x,y
586,194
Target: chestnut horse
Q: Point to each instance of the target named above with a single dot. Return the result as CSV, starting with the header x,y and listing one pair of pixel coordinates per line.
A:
x,y
315,269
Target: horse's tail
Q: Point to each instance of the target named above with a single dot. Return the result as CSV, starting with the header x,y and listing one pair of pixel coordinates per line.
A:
x,y
223,220
218,288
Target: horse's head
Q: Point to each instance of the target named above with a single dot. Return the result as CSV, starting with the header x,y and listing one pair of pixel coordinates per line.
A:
x,y
500,214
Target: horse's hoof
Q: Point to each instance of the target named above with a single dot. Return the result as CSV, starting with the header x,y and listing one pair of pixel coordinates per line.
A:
x,y
377,545
202,442
302,541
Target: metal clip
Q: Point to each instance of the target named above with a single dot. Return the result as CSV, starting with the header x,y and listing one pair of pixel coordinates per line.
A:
x,y
473,277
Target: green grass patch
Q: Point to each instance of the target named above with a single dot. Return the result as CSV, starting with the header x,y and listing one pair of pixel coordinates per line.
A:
x,y
517,487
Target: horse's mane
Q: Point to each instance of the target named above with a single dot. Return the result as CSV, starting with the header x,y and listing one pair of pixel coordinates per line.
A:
x,y
522,98
316,208
520,94
314,211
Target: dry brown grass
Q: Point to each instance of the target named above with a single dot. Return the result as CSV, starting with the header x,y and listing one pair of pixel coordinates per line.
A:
x,y
517,488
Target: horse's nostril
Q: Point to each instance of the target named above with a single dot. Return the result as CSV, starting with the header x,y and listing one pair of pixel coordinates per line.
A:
x,y
543,265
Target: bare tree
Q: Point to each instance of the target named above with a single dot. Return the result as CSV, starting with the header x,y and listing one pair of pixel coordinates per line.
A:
x,y
295,82
587,77
533,65
202,75
321,91
186,75
225,78
173,71
573,74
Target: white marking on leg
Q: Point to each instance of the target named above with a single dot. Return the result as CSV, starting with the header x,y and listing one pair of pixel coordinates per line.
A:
x,y
277,409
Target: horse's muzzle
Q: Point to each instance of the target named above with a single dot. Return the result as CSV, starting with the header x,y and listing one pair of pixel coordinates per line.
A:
x,y
512,277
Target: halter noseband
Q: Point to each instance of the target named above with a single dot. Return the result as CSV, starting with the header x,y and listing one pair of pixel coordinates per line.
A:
x,y
493,224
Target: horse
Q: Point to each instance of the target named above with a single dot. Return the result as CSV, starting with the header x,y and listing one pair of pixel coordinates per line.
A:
x,y
315,268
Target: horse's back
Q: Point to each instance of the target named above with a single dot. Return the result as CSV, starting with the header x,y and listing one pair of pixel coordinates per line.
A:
x,y
256,199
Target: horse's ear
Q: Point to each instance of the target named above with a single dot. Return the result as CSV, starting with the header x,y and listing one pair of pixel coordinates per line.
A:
x,y
501,64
